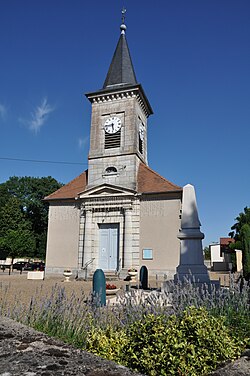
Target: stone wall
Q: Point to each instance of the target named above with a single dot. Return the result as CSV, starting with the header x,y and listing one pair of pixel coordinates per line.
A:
x,y
63,235
159,227
23,351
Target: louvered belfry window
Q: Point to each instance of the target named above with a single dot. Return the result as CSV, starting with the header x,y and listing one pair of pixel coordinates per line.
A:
x,y
140,145
112,140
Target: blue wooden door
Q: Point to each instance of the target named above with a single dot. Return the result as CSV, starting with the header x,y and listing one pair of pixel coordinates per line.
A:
x,y
109,246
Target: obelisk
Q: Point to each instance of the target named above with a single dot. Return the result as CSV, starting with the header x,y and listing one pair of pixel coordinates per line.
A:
x,y
191,264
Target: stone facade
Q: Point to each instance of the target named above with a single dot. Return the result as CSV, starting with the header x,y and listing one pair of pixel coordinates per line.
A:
x,y
126,166
123,211
159,226
144,222
62,238
128,107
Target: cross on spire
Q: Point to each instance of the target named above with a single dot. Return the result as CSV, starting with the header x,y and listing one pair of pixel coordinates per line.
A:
x,y
123,14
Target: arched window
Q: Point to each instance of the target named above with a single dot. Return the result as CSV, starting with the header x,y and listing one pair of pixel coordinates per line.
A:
x,y
110,170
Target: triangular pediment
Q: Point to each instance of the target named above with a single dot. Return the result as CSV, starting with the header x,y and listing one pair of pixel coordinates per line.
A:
x,y
106,190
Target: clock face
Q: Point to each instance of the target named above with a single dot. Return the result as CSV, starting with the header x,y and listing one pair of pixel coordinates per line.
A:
x,y
112,124
141,132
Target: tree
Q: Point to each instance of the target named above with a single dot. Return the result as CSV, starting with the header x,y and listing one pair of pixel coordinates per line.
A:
x,y
16,237
241,235
11,216
241,220
245,240
22,201
207,253
18,243
4,195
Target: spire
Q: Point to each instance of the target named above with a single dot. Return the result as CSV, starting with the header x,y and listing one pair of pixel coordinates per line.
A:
x,y
121,70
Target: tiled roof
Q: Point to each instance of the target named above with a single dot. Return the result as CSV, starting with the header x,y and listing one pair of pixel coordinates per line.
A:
x,y
71,189
148,181
226,241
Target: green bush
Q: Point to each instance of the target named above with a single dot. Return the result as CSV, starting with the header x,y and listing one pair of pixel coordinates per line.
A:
x,y
238,322
191,344
107,343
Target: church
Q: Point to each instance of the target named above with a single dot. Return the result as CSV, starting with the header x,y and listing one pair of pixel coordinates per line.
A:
x,y
119,214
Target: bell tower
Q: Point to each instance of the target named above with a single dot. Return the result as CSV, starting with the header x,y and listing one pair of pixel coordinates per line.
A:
x,y
118,137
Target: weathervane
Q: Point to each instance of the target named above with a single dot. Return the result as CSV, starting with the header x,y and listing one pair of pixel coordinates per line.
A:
x,y
123,14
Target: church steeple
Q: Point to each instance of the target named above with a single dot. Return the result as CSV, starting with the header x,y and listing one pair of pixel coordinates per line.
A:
x,y
118,138
121,71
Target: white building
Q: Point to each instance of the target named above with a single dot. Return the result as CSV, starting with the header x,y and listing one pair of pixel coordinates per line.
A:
x,y
223,258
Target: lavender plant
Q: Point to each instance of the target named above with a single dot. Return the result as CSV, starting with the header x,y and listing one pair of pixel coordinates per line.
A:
x,y
105,330
231,302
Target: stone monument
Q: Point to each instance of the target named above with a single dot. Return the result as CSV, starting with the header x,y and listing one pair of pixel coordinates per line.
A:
x,y
191,265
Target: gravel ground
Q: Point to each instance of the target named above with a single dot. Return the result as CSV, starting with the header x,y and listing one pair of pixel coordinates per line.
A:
x,y
17,286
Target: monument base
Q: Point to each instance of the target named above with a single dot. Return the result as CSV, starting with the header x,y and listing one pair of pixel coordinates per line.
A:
x,y
192,273
169,286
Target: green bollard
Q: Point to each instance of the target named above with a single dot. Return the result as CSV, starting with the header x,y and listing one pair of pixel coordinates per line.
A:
x,y
144,278
99,288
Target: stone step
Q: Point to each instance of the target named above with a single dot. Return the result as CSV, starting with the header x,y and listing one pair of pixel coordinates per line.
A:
x,y
110,276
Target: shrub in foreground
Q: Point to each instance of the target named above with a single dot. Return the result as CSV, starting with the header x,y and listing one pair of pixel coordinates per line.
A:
x,y
107,343
191,344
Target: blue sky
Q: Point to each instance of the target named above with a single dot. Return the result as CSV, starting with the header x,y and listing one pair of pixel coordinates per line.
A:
x,y
192,58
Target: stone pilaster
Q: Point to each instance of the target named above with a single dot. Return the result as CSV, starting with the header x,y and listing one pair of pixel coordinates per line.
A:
x,y
128,259
81,237
87,237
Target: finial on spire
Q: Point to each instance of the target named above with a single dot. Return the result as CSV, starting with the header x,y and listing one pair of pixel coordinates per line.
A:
x,y
123,26
123,14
